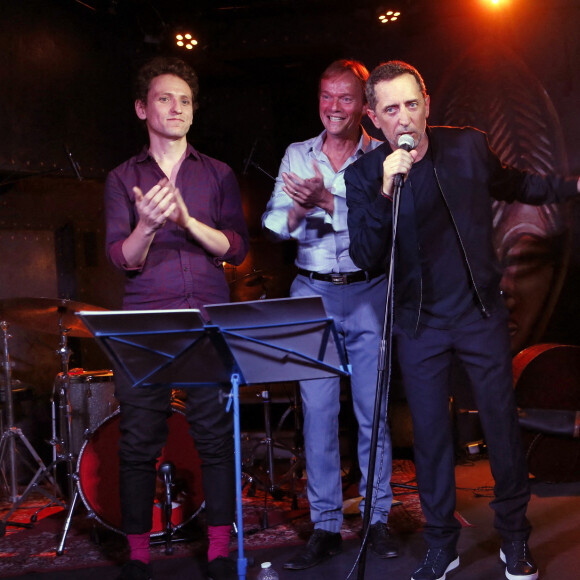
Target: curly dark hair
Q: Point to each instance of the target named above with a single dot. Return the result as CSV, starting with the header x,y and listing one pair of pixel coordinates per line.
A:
x,y
165,66
388,71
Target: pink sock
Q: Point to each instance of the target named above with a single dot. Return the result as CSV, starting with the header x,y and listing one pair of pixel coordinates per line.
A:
x,y
139,545
219,541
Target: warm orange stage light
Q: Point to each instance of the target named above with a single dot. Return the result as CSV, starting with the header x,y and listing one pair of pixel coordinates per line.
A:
x,y
496,3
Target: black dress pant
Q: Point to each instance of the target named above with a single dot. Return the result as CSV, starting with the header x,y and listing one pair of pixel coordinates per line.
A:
x,y
483,348
144,414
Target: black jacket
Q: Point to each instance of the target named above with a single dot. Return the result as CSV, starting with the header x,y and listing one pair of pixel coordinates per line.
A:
x,y
469,176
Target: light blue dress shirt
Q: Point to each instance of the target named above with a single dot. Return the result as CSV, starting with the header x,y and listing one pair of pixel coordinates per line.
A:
x,y
323,241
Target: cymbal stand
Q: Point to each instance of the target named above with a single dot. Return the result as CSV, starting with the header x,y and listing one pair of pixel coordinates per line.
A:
x,y
65,415
8,443
62,446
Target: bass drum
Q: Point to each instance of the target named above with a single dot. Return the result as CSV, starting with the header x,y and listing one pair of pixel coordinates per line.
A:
x,y
98,472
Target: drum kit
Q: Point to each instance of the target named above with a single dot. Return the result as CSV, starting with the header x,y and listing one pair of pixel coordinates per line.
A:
x,y
251,286
85,436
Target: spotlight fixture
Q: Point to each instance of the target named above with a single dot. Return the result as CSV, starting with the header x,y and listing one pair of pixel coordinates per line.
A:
x,y
389,16
185,40
499,4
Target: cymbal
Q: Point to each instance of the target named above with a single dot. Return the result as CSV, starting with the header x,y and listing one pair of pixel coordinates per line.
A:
x,y
251,286
50,315
255,278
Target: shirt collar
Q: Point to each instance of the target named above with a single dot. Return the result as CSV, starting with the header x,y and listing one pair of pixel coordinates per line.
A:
x,y
362,147
144,154
364,143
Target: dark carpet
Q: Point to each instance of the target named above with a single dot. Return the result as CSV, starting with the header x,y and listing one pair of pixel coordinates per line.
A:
x,y
89,544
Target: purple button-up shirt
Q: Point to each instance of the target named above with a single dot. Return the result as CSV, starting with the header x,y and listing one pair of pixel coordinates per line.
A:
x,y
178,272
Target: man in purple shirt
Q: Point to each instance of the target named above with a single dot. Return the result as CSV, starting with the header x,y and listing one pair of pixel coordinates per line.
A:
x,y
173,217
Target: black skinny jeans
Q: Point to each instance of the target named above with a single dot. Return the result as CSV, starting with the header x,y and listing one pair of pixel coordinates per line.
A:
x,y
144,413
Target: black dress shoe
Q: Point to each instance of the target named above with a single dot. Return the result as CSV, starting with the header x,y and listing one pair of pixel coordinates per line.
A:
x,y
321,546
135,570
381,542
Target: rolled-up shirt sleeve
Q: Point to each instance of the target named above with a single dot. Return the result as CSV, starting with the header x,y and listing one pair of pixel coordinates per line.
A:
x,y
120,219
231,221
275,218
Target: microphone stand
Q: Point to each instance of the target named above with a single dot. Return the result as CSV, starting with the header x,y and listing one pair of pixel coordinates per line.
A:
x,y
383,376
249,162
259,168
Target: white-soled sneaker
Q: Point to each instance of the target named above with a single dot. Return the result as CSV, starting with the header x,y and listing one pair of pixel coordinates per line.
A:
x,y
437,562
519,564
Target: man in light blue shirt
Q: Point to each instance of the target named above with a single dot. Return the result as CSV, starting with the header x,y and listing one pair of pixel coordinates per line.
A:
x,y
309,205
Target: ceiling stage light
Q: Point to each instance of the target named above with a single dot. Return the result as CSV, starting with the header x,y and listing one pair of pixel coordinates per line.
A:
x,y
497,3
387,16
185,40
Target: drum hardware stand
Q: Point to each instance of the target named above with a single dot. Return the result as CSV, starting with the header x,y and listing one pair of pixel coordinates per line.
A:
x,y
299,459
271,486
64,455
65,415
60,445
8,441
74,483
65,411
167,472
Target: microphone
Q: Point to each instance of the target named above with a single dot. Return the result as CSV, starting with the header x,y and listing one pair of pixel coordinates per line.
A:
x,y
407,143
75,165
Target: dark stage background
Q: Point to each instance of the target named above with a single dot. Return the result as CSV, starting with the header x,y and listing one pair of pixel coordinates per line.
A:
x,y
66,100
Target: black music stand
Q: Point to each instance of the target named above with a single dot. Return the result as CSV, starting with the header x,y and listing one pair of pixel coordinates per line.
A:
x,y
247,342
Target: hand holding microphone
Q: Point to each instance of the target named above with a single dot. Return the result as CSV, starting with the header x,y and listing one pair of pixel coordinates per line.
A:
x,y
407,143
396,166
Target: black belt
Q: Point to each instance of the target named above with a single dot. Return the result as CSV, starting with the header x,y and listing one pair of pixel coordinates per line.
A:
x,y
341,278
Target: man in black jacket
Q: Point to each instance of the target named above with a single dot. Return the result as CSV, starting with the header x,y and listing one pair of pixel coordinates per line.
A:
x,y
447,301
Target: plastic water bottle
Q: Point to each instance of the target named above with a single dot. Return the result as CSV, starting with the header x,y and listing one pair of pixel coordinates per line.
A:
x,y
267,572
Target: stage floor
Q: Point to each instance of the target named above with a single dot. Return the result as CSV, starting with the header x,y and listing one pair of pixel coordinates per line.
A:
x,y
554,512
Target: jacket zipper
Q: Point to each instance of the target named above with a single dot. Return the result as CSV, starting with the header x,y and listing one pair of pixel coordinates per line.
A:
x,y
482,305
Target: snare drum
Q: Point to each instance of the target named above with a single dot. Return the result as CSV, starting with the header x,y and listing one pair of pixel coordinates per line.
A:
x,y
92,400
98,471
